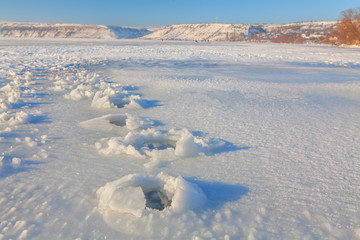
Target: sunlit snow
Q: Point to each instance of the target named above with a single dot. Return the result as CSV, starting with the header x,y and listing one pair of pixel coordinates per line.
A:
x,y
120,139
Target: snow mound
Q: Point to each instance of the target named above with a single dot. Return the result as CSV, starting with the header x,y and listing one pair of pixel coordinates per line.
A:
x,y
14,118
112,121
10,97
81,86
160,144
15,87
112,98
80,92
104,94
148,202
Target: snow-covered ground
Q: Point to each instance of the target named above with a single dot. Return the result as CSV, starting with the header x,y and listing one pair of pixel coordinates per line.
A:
x,y
178,140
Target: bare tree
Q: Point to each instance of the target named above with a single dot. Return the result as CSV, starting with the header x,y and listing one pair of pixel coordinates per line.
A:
x,y
347,31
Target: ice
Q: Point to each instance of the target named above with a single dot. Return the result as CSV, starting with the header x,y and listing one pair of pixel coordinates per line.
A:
x,y
158,144
140,195
112,121
130,200
127,195
183,195
187,147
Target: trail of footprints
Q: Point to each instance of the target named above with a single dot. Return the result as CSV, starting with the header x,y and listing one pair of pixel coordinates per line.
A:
x,y
133,198
144,137
15,111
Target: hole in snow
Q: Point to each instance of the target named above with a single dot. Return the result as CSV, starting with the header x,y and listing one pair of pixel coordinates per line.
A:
x,y
118,122
157,200
160,146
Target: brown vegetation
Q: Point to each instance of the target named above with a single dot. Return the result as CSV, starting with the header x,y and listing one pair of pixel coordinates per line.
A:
x,y
347,31
288,38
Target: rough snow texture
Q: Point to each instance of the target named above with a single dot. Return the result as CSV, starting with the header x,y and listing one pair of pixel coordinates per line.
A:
x,y
222,140
104,94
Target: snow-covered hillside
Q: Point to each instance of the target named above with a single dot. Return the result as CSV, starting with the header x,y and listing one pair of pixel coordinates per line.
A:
x,y
309,31
306,32
43,30
197,32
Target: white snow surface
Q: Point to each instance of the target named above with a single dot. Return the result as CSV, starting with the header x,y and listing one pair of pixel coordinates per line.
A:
x,y
131,139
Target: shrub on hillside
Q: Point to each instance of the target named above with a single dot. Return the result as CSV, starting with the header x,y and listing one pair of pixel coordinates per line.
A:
x,y
347,31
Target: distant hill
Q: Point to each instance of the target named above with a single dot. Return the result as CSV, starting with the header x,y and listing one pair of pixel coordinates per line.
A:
x,y
300,32
44,30
304,32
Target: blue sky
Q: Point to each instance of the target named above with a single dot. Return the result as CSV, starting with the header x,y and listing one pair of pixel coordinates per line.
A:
x,y
167,12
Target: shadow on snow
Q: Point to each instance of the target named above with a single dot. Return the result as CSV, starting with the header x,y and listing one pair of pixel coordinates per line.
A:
x,y
8,168
218,194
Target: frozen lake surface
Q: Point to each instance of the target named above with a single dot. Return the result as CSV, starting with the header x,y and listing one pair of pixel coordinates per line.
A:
x,y
178,140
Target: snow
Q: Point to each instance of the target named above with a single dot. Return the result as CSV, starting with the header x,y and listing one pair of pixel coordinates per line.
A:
x,y
312,32
111,122
61,30
131,139
159,144
233,32
125,207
